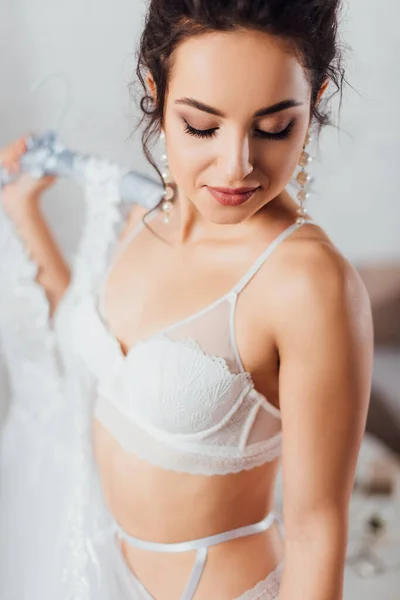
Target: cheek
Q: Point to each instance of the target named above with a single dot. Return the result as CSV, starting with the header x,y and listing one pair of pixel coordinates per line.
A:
x,y
279,160
187,159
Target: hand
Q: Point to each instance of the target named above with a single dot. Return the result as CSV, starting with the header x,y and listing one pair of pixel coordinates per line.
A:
x,y
21,197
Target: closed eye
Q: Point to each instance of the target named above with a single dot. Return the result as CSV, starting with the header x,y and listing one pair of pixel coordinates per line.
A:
x,y
209,133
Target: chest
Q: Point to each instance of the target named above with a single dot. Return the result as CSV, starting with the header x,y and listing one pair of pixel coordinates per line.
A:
x,y
150,287
149,290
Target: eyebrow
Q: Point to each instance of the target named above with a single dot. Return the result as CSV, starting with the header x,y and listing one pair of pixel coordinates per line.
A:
x,y
269,110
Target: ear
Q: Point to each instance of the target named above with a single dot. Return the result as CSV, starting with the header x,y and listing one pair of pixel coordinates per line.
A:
x,y
322,91
151,85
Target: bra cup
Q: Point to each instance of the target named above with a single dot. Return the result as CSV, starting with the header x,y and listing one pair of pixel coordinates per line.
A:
x,y
174,404
174,387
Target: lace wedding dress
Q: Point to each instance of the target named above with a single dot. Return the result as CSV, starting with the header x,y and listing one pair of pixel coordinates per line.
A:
x,y
53,520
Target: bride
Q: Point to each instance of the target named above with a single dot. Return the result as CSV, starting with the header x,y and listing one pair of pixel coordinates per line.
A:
x,y
190,347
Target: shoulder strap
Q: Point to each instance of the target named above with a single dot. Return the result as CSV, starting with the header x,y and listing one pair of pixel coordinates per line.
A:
x,y
263,257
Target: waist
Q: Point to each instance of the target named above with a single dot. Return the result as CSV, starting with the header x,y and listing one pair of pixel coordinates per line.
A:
x,y
135,491
195,544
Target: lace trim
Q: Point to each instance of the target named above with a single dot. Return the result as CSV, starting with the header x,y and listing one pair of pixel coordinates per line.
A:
x,y
266,589
194,345
102,222
103,219
187,459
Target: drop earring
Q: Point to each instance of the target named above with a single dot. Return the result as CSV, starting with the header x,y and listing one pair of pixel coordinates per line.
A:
x,y
304,180
169,192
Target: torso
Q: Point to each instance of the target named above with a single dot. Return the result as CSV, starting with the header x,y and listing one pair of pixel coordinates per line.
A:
x,y
165,506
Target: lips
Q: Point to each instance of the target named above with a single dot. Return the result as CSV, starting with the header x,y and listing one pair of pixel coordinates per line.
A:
x,y
232,197
242,190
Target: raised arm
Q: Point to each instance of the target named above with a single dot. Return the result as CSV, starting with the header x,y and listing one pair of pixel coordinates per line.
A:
x,y
21,202
325,341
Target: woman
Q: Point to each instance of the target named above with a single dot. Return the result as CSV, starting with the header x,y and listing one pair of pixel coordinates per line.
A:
x,y
243,335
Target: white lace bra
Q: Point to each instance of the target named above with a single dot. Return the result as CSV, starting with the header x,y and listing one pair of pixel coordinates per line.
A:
x,y
181,398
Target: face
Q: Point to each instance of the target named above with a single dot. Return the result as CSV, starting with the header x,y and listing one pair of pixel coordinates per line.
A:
x,y
221,129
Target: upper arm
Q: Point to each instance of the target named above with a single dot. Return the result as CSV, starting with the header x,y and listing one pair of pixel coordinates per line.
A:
x,y
325,344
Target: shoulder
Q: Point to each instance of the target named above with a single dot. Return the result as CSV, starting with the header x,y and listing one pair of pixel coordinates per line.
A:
x,y
133,218
317,288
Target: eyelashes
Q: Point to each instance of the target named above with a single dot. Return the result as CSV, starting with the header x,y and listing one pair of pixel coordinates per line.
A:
x,y
209,133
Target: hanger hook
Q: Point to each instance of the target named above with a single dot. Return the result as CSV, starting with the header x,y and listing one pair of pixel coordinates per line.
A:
x,y
67,97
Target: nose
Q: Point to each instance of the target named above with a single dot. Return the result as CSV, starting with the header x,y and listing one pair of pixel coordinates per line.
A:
x,y
235,158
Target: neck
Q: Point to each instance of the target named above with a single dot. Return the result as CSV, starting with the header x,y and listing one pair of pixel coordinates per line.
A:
x,y
187,225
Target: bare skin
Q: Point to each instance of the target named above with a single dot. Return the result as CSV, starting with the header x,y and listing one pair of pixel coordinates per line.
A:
x,y
303,329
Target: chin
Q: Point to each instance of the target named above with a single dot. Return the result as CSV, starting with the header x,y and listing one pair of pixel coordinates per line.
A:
x,y
214,212
223,215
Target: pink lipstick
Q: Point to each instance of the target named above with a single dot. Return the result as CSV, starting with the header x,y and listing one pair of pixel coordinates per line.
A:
x,y
232,196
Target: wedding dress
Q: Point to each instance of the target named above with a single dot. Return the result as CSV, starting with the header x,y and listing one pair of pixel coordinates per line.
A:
x,y
51,505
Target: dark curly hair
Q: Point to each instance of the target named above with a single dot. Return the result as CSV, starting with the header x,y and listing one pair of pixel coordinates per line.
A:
x,y
311,26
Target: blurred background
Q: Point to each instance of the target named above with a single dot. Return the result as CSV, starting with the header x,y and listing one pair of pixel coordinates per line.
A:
x,y
356,169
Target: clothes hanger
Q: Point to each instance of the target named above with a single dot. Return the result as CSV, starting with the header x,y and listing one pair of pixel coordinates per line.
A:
x,y
46,154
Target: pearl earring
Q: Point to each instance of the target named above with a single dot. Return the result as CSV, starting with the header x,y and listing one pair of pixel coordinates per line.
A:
x,y
168,189
303,179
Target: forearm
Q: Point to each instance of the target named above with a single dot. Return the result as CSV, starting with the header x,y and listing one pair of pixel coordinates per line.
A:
x,y
53,271
314,562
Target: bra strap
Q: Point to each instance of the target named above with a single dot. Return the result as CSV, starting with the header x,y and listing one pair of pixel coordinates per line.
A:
x,y
263,257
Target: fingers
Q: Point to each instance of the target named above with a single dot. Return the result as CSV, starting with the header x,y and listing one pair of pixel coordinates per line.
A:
x,y
11,155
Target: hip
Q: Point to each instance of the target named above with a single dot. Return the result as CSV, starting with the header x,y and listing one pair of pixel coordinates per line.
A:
x,y
244,563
